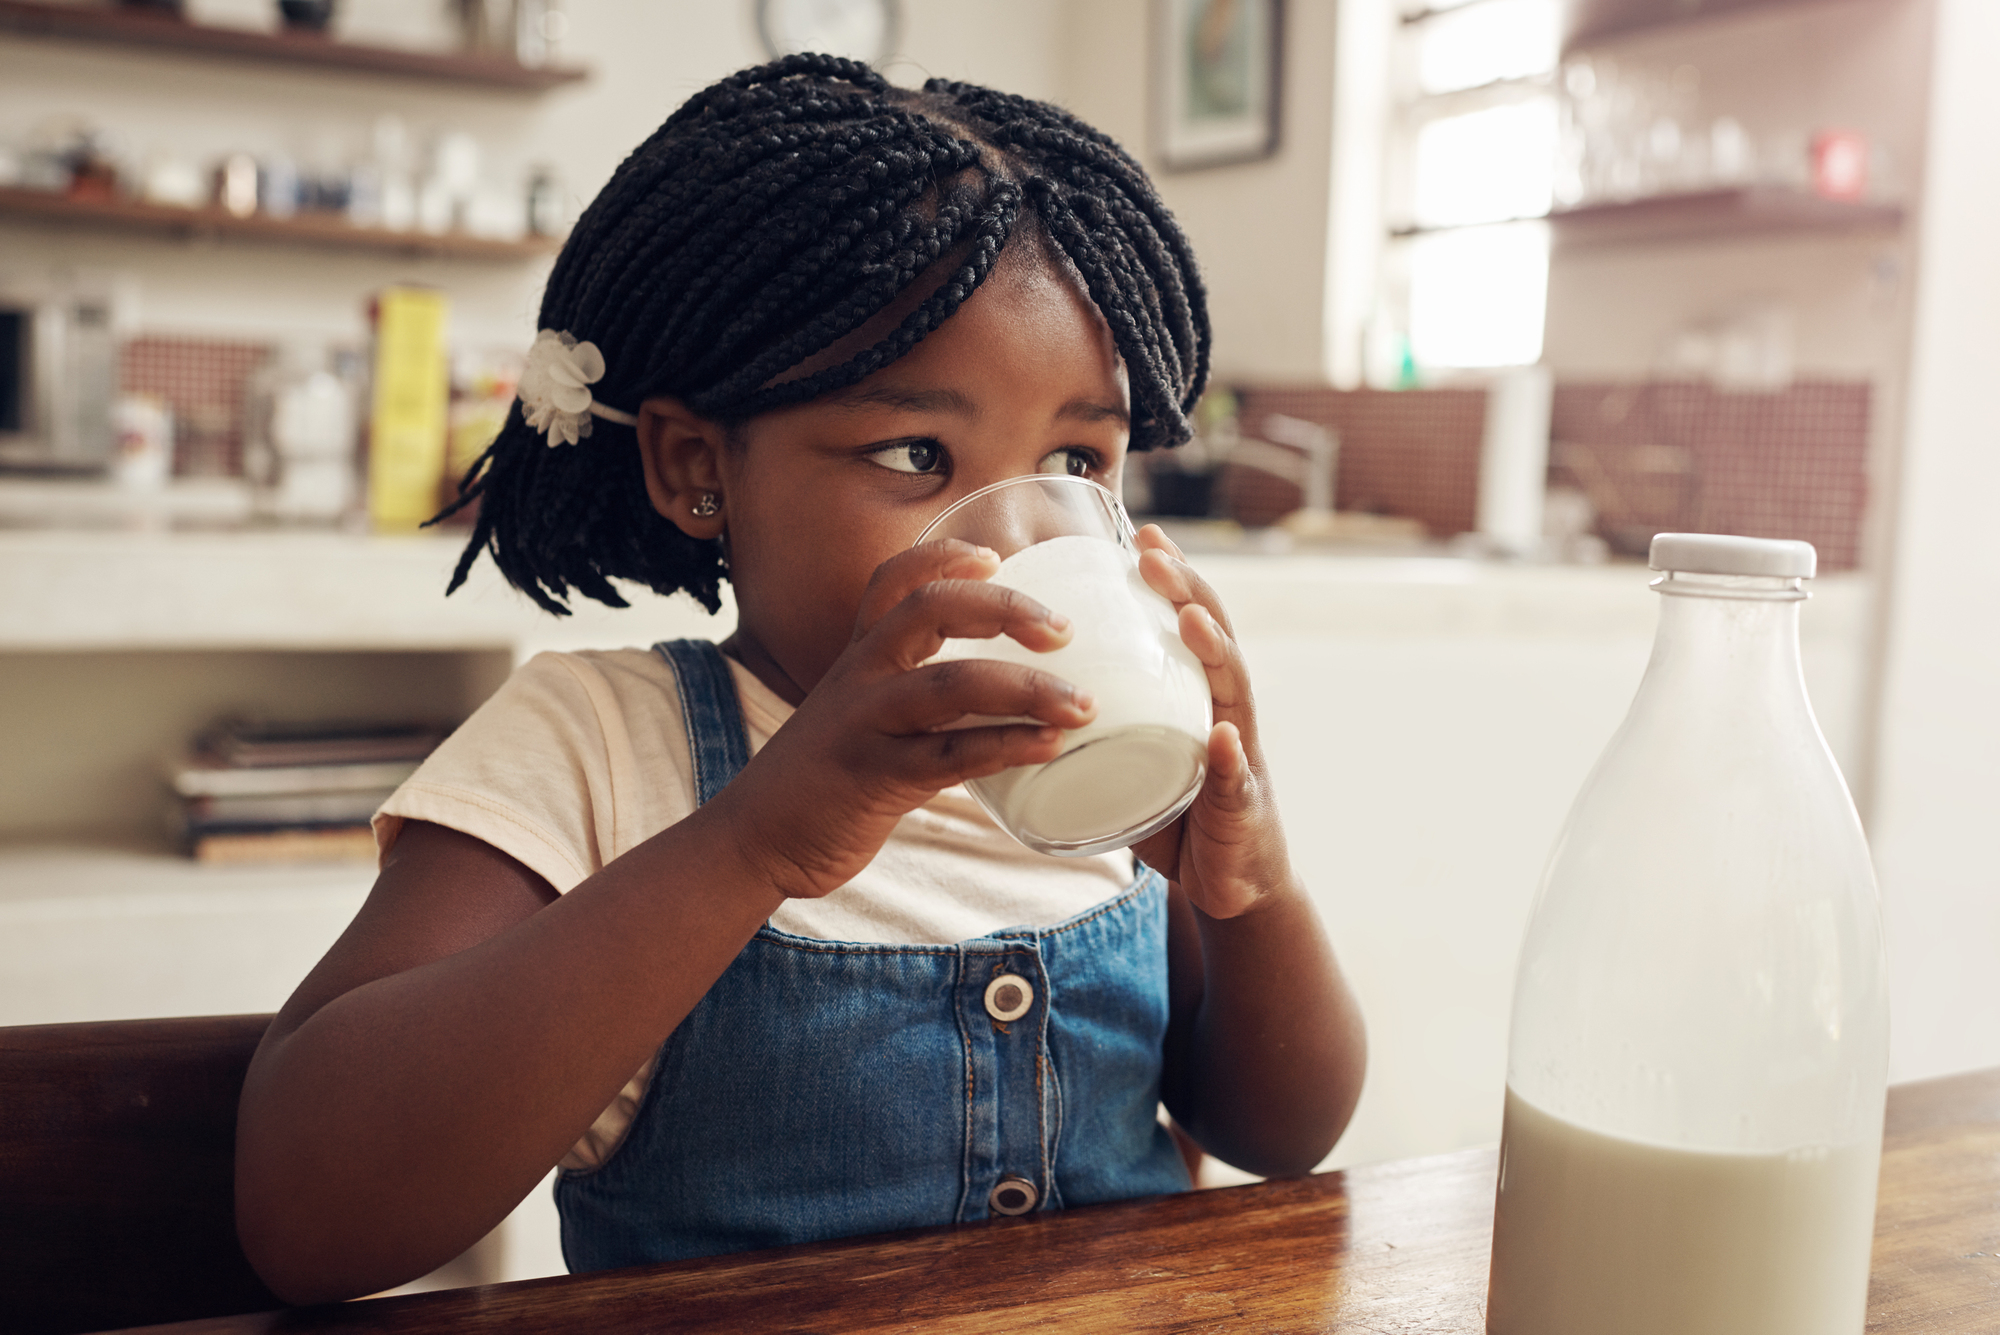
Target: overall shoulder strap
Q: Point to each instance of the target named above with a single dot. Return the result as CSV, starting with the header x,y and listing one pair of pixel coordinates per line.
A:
x,y
718,743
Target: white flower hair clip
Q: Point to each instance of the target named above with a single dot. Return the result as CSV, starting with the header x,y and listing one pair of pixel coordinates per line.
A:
x,y
555,388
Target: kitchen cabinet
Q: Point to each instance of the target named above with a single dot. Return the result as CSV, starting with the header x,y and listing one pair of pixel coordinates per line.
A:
x,y
116,646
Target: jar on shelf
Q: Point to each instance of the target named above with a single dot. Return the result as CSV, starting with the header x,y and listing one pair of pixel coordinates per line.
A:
x,y
299,438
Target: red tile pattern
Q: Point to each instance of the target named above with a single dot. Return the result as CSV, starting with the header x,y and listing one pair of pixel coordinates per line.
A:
x,y
1674,456
1402,452
203,380
1653,456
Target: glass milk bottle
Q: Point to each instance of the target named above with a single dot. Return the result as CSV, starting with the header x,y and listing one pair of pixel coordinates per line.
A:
x,y
1696,1068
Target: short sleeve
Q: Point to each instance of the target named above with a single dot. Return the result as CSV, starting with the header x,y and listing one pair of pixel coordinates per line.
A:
x,y
575,759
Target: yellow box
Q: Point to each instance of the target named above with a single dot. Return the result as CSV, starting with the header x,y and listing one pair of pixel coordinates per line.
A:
x,y
406,431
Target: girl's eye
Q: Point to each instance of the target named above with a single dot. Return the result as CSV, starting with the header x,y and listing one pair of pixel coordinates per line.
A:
x,y
910,456
1075,462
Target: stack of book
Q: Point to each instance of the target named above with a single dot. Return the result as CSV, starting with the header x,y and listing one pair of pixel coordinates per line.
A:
x,y
274,792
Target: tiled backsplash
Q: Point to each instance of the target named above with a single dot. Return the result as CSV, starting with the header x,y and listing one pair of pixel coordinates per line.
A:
x,y
1653,456
202,379
1413,453
1680,456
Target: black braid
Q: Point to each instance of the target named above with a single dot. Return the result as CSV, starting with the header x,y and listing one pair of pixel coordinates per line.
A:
x,y
773,215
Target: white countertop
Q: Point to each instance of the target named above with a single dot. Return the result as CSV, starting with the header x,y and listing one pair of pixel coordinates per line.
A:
x,y
299,589
284,589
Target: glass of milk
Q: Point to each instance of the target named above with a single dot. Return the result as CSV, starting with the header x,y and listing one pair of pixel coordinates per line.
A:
x,y
1066,542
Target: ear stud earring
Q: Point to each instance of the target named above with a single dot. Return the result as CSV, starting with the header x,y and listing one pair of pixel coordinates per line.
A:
x,y
706,507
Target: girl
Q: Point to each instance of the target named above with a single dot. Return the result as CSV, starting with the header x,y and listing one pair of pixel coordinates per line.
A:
x,y
718,931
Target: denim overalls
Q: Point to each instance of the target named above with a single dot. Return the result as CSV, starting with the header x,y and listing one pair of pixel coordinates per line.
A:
x,y
823,1089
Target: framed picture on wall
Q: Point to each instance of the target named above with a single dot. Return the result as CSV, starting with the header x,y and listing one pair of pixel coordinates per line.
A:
x,y
1215,80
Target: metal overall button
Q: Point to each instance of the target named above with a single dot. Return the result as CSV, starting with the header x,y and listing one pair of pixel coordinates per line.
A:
x,y
1013,1195
1009,997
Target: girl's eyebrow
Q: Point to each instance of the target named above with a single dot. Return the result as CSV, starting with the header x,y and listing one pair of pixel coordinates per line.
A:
x,y
908,400
959,405
1083,410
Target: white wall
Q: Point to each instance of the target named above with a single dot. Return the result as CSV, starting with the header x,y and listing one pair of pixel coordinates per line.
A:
x,y
1937,798
1017,46
1613,309
1258,228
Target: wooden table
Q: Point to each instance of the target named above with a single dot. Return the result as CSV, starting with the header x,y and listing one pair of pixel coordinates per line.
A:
x,y
1395,1249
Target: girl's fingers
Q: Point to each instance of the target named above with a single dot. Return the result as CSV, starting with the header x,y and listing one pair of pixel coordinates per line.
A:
x,y
1221,659
941,759
909,633
1204,624
943,695
1228,786
907,571
1153,537
1170,576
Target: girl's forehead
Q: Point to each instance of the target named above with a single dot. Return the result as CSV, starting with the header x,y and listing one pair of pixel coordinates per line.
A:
x,y
1031,279
1029,318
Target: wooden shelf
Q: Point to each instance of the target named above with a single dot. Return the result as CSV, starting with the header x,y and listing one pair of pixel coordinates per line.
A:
x,y
1589,21
305,229
1717,215
137,27
1702,215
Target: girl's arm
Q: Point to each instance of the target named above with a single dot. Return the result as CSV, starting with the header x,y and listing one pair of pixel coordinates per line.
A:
x,y
469,1026
460,1036
1265,1046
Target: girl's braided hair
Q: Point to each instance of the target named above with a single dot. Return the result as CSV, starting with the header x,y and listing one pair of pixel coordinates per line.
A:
x,y
772,215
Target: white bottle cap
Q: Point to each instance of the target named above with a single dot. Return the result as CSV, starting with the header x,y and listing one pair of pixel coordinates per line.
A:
x,y
1723,554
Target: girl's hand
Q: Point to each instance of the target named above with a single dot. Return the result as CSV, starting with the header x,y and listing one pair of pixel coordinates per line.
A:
x,y
1227,850
875,738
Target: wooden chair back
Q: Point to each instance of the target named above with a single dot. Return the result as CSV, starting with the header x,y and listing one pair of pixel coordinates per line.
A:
x,y
117,1169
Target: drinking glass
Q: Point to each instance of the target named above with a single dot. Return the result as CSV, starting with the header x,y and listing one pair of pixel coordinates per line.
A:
x,y
1066,542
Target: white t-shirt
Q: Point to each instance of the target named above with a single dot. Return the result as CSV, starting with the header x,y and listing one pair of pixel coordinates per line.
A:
x,y
581,757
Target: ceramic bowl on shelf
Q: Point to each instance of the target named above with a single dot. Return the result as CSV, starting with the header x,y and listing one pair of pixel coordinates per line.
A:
x,y
306,15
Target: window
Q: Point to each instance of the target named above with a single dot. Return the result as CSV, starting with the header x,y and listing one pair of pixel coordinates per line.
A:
x,y
1472,167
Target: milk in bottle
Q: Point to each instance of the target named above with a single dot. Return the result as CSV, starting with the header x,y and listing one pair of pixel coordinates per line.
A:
x,y
1698,1052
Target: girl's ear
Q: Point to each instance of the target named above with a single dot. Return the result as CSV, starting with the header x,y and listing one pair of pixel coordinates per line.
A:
x,y
681,453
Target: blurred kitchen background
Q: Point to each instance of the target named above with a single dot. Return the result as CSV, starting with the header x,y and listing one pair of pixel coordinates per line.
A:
x,y
1501,288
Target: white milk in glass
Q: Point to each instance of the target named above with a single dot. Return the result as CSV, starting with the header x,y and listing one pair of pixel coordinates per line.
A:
x,y
1601,1235
1139,763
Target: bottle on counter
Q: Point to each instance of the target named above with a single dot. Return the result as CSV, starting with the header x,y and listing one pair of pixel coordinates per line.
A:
x,y
1699,1047
299,438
